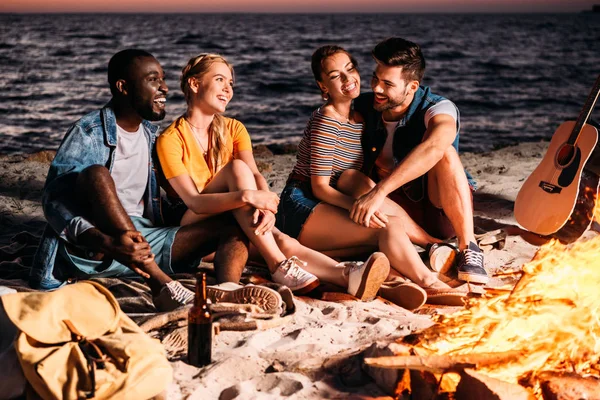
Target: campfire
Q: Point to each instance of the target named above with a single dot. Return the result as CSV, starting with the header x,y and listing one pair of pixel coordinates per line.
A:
x,y
547,326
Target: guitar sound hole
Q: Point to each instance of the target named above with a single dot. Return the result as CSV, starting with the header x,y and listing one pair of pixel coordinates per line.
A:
x,y
565,155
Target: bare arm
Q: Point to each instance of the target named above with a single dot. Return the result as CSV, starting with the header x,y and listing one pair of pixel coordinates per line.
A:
x,y
209,203
324,192
440,134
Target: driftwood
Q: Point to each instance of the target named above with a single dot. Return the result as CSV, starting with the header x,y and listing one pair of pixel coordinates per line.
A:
x,y
568,386
476,386
444,363
160,320
255,318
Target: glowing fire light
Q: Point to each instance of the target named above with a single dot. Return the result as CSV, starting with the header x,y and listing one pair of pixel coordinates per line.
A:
x,y
551,316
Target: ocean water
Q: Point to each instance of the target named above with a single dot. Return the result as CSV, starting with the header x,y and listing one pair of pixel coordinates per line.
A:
x,y
514,77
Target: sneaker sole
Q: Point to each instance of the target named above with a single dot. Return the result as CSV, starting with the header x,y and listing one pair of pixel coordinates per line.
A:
x,y
444,260
267,299
407,295
307,288
473,278
376,272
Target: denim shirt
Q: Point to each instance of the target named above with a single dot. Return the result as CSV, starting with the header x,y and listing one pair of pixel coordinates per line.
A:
x,y
409,132
90,141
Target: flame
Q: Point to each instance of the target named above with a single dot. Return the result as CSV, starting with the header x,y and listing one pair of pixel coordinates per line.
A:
x,y
552,315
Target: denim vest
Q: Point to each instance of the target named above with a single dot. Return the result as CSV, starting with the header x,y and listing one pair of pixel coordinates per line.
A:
x,y
409,132
91,141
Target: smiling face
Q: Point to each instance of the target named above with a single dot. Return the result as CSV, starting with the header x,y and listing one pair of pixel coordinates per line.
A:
x,y
339,77
146,88
213,91
392,91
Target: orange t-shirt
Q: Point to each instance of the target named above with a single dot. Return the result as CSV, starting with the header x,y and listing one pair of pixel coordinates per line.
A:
x,y
179,152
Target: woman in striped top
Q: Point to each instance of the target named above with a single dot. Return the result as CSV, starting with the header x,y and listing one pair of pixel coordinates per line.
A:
x,y
315,204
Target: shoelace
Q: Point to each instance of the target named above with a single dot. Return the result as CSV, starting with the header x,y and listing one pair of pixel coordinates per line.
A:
x,y
290,266
180,293
352,266
473,258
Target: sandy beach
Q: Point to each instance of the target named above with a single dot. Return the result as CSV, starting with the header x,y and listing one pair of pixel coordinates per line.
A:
x,y
316,352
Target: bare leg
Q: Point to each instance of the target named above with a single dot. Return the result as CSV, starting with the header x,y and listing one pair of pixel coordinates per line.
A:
x,y
201,238
233,177
330,228
354,183
448,189
318,264
96,186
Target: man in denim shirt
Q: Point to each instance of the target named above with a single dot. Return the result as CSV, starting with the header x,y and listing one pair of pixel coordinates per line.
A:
x,y
410,145
102,200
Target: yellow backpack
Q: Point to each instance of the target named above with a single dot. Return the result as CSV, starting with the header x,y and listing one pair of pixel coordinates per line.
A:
x,y
76,343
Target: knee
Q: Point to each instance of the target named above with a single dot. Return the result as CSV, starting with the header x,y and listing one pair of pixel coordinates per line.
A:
x,y
230,227
93,173
450,160
394,226
239,168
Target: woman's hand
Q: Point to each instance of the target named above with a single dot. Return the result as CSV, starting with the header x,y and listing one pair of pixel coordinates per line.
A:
x,y
261,200
264,221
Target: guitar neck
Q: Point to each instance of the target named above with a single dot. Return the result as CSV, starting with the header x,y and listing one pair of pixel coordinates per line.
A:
x,y
585,113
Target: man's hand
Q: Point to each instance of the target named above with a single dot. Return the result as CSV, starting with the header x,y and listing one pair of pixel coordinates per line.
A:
x,y
264,221
262,200
365,210
131,249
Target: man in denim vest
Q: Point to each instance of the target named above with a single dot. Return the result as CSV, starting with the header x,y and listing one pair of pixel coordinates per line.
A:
x,y
102,200
410,146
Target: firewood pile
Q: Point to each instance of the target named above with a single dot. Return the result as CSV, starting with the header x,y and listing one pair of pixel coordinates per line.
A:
x,y
539,341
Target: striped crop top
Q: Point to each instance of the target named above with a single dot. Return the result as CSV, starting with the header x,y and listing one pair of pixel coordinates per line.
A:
x,y
328,148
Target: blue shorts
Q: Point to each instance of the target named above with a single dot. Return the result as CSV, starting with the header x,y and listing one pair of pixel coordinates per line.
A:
x,y
160,240
296,203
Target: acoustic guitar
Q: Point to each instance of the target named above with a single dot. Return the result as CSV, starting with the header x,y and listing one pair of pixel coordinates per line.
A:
x,y
559,196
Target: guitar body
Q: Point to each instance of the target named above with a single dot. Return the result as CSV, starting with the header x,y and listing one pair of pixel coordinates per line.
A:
x,y
558,198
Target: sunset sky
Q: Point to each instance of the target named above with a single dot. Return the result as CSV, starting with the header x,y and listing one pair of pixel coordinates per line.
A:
x,y
162,6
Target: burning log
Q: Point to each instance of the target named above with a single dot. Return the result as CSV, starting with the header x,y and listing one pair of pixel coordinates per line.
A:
x,y
476,386
445,363
568,386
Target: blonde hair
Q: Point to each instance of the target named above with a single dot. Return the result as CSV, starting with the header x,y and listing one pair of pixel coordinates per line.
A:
x,y
197,67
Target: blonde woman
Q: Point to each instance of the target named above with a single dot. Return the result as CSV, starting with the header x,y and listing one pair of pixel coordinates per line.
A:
x,y
208,162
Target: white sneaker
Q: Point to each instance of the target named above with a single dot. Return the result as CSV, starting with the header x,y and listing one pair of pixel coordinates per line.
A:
x,y
291,274
173,295
364,279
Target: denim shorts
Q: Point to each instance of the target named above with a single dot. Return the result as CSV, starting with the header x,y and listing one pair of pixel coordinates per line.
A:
x,y
296,203
160,240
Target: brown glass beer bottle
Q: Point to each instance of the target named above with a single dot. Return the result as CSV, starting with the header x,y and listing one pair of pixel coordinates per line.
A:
x,y
200,326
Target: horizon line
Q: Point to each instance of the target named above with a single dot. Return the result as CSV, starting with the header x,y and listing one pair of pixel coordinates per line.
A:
x,y
583,11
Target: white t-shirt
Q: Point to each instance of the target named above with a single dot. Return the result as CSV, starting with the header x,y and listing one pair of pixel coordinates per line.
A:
x,y
385,162
130,169
130,174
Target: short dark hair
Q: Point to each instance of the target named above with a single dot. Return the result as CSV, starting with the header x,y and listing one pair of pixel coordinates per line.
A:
x,y
316,63
118,66
398,52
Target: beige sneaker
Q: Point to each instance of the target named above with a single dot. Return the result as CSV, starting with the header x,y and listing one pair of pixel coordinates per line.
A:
x,y
267,299
291,274
365,279
403,293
